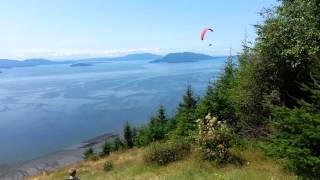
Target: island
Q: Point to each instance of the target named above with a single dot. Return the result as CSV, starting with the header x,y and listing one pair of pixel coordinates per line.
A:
x,y
80,65
182,58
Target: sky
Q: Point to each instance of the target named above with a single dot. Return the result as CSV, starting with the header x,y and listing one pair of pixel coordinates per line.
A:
x,y
69,29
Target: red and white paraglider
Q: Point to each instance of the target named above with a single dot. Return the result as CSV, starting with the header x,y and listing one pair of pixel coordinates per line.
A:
x,y
204,32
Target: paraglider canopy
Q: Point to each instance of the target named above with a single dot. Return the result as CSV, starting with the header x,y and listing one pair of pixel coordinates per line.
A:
x,y
204,31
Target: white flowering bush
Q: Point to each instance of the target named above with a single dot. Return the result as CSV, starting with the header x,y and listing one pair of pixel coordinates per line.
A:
x,y
214,139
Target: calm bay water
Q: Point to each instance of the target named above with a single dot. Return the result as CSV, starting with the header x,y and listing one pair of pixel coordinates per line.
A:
x,y
46,108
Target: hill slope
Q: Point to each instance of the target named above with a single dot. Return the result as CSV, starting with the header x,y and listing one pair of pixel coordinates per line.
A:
x,y
129,165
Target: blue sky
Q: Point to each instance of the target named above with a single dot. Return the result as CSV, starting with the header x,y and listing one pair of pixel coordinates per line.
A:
x,y
67,29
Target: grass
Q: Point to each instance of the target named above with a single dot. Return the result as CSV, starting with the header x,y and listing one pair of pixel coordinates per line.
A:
x,y
130,165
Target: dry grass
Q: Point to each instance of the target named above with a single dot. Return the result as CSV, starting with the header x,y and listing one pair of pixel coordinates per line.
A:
x,y
129,165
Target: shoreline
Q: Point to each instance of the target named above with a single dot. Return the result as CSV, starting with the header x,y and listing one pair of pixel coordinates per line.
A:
x,y
52,161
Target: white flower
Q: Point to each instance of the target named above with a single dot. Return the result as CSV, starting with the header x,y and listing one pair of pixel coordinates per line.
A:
x,y
208,116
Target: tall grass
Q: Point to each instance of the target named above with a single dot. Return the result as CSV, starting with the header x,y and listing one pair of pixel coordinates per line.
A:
x,y
130,165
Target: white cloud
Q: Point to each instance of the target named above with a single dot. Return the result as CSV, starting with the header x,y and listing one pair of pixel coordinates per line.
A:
x,y
20,55
63,54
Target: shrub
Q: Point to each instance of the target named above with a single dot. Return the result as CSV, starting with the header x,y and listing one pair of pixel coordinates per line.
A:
x,y
296,139
164,153
214,139
108,166
296,133
118,144
143,137
88,153
94,157
106,149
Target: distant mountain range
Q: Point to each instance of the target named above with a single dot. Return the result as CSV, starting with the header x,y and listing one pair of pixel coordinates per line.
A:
x,y
182,58
8,63
144,56
153,58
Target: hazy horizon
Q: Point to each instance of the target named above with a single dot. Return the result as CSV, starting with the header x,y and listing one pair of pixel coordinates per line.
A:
x,y
115,56
68,30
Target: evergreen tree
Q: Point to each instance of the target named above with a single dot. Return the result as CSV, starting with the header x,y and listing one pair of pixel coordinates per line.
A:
x,y
285,52
106,148
143,137
134,134
172,124
128,135
185,116
248,98
296,136
117,144
161,115
217,98
88,153
288,47
207,103
158,125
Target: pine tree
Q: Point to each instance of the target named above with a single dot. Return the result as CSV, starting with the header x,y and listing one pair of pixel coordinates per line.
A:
x,y
143,137
162,114
128,135
106,148
88,153
296,136
117,144
207,102
158,125
217,98
186,113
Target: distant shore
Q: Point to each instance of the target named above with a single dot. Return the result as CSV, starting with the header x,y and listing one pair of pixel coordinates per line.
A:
x,y
52,161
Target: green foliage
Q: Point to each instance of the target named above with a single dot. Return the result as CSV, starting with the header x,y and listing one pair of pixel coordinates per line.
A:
x,y
312,89
247,97
157,129
118,144
296,136
172,125
297,140
89,154
108,166
162,114
288,46
186,116
242,144
217,98
94,157
164,153
285,53
158,125
128,135
143,137
214,139
106,149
